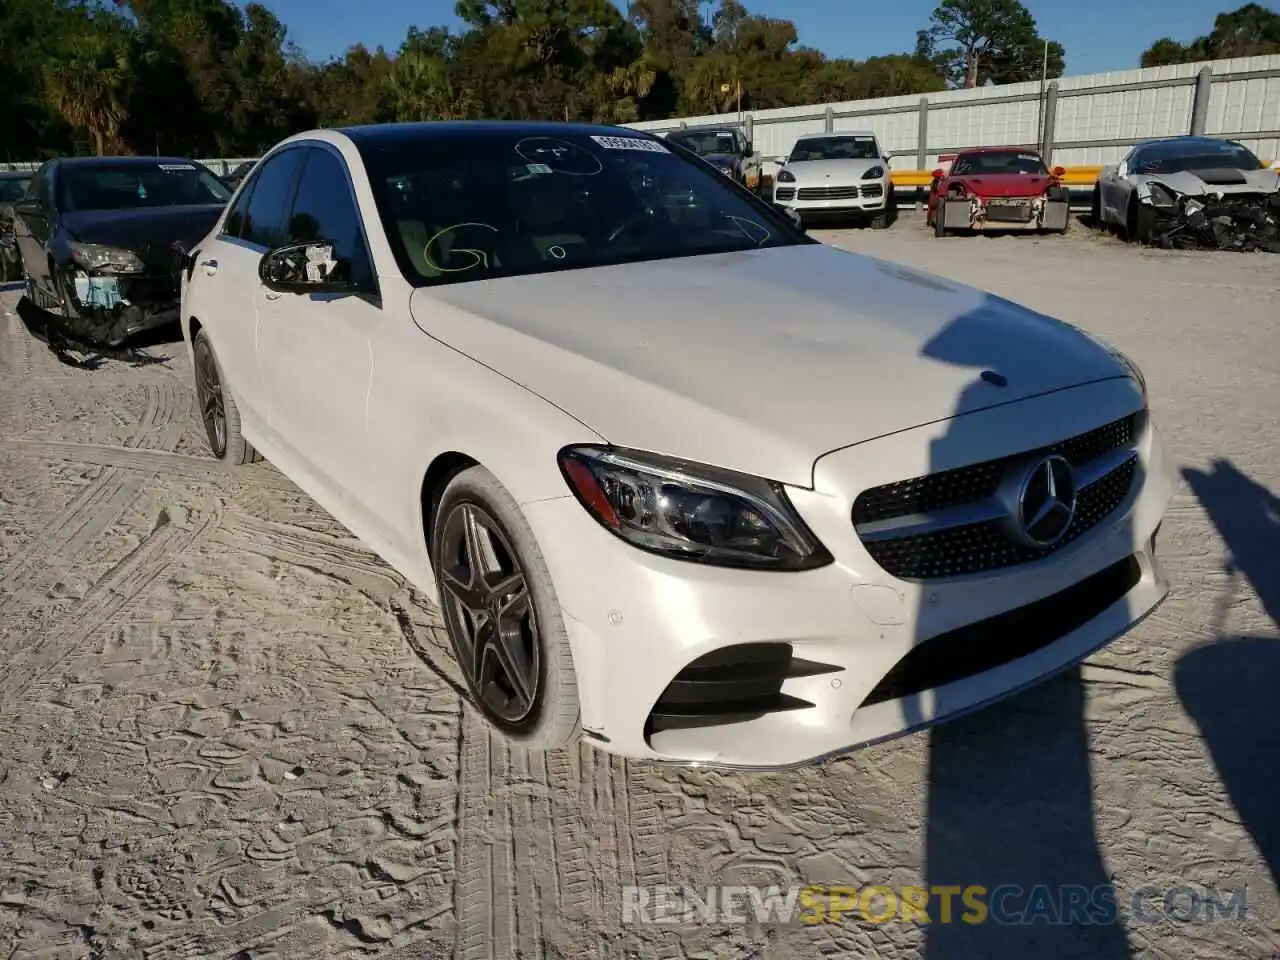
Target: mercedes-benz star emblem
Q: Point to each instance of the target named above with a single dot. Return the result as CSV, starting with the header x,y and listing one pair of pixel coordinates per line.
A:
x,y
1046,502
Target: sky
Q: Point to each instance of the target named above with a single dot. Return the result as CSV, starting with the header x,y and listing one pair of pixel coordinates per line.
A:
x,y
1099,35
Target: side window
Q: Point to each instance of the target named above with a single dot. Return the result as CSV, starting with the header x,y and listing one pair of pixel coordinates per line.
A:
x,y
39,187
233,226
264,221
325,209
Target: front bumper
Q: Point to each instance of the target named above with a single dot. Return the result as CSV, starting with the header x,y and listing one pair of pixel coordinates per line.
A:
x,y
847,199
636,621
108,309
1006,213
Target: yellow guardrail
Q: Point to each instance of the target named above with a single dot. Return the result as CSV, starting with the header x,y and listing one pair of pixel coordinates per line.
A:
x,y
1075,176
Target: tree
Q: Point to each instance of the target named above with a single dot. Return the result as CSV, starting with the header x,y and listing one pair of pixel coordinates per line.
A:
x,y
975,42
1250,31
88,88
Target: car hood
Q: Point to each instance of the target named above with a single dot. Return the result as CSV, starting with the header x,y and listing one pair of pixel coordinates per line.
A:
x,y
1226,180
1003,184
150,227
838,171
759,361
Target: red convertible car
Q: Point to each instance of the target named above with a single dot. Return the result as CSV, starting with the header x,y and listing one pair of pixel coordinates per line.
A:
x,y
998,188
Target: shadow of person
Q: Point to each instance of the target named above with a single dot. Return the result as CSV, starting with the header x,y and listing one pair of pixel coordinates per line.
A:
x,y
1010,803
1229,687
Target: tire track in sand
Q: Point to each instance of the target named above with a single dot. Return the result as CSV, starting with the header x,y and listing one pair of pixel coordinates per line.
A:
x,y
546,842
27,577
43,649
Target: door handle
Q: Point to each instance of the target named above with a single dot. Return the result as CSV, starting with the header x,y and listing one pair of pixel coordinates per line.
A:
x,y
210,267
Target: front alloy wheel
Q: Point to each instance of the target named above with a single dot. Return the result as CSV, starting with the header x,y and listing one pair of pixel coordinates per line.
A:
x,y
492,621
502,615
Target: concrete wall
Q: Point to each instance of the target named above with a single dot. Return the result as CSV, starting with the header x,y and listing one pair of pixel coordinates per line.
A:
x,y
1095,118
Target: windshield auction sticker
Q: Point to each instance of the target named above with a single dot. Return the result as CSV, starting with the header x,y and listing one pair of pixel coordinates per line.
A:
x,y
631,143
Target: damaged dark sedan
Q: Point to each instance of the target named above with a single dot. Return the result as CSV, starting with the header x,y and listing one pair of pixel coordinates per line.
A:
x,y
1192,192
104,240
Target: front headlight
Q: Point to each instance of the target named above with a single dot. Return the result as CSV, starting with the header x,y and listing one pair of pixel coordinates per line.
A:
x,y
875,173
1161,196
95,256
691,512
785,176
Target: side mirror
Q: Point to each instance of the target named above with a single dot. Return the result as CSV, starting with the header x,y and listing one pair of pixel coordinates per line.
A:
x,y
1059,172
793,215
309,267
780,161
938,174
750,150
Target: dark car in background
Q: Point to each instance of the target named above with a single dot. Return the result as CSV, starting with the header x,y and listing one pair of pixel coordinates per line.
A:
x,y
727,149
104,240
13,185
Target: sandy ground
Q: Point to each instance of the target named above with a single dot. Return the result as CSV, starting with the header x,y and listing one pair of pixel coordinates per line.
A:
x,y
228,731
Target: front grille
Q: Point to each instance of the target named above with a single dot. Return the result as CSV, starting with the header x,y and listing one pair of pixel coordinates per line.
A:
x,y
982,547
991,643
828,193
873,190
784,193
952,488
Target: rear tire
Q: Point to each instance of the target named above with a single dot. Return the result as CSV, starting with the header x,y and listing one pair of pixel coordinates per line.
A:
x,y
218,408
502,614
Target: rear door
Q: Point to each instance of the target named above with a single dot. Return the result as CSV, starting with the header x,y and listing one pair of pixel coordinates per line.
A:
x,y
31,229
315,350
227,292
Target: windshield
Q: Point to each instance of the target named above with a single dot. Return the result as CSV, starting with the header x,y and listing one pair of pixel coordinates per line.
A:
x,y
458,209
999,161
127,186
707,142
12,189
1199,155
835,148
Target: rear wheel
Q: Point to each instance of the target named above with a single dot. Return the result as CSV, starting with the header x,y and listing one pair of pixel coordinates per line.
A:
x,y
502,615
218,408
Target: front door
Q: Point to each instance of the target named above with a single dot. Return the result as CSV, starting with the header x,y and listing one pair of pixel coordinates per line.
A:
x,y
315,350
230,287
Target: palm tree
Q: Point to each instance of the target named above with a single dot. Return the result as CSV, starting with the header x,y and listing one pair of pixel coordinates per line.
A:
x,y
88,88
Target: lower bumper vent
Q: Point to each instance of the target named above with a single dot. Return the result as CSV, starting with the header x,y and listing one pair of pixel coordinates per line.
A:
x,y
987,644
732,685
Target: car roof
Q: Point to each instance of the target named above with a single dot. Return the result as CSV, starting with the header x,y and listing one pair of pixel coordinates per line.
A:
x,y
119,161
972,150
390,134
1188,141
837,135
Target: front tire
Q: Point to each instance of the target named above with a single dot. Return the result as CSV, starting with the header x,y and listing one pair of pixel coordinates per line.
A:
x,y
1140,224
218,408
1095,211
938,215
502,615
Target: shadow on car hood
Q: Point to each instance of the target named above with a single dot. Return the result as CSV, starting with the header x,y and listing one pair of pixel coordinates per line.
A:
x,y
760,361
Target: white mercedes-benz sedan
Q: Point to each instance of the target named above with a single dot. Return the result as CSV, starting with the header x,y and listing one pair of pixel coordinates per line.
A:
x,y
836,175
683,481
